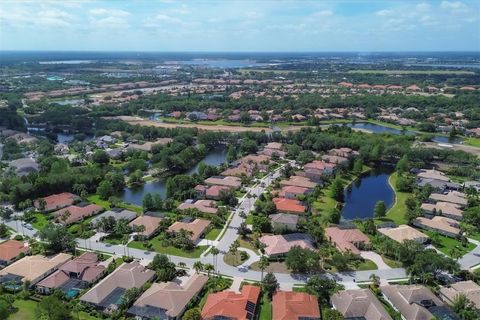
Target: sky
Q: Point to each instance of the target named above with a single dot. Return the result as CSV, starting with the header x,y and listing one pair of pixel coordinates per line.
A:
x,y
245,25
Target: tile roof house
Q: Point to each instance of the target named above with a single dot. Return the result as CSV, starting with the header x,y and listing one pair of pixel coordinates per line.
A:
x,y
211,192
56,201
334,159
10,250
273,148
168,300
33,268
151,224
196,227
76,273
359,304
352,240
107,294
24,166
433,174
277,245
442,225
414,302
469,288
285,205
404,232
284,221
343,152
117,214
288,305
299,181
445,209
147,146
292,192
452,197
205,206
438,185
242,169
228,181
76,213
232,305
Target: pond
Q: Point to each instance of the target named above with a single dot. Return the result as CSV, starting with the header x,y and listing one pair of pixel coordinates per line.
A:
x,y
378,128
135,195
362,195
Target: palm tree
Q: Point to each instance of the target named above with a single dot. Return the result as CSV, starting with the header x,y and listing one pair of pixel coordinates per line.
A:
x,y
263,264
215,253
208,267
198,266
182,265
234,249
375,280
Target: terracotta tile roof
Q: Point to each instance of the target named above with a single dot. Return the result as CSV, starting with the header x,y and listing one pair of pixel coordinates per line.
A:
x,y
151,224
299,182
76,213
281,244
293,190
205,206
439,223
228,181
197,227
274,145
231,305
403,232
443,208
294,306
57,201
346,239
468,288
11,249
452,197
215,191
170,298
289,205
433,174
320,165
358,304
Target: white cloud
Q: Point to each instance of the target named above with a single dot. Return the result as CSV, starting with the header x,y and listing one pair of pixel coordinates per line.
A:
x,y
109,12
384,13
423,7
453,5
324,13
253,15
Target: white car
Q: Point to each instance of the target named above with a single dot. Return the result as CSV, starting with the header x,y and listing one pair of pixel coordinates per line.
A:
x,y
243,268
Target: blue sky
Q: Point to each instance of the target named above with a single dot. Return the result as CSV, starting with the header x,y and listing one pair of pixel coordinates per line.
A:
x,y
265,25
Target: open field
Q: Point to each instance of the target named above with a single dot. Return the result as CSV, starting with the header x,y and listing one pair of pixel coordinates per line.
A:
x,y
398,210
389,72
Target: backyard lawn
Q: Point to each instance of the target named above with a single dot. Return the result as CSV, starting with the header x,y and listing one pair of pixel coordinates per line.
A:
x,y
447,244
213,234
398,210
26,310
158,247
40,221
265,309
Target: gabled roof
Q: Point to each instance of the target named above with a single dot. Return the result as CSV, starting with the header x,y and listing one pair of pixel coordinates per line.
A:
x,y
285,218
294,306
197,227
231,305
469,288
289,205
168,298
150,223
281,244
345,239
402,233
75,213
57,201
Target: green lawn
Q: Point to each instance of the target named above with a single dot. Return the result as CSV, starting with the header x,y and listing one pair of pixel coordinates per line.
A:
x,y
265,312
474,142
367,265
26,310
40,221
158,247
447,244
249,219
102,203
234,260
113,239
213,234
398,210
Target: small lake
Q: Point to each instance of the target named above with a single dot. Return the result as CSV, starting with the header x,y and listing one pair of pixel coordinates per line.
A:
x,y
135,195
443,139
362,195
221,63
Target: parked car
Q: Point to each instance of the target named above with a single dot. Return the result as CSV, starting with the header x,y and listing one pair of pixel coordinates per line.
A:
x,y
243,268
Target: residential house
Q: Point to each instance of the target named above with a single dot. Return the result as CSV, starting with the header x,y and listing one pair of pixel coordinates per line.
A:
x,y
433,174
205,206
107,294
292,192
147,146
284,221
334,159
347,240
343,152
273,148
438,185
228,181
315,170
442,225
74,276
32,268
468,288
359,304
415,302
151,225
445,209
11,250
55,201
472,184
289,305
197,228
76,213
117,214
24,166
404,232
168,300
299,181
454,197
278,245
239,170
475,132
232,305
284,205
211,192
